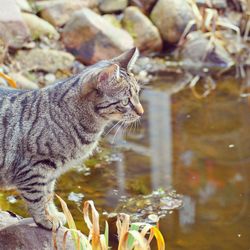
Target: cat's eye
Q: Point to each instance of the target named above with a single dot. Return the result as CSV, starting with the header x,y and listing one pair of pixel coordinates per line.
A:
x,y
125,102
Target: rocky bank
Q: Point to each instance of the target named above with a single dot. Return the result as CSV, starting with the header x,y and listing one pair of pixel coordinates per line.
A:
x,y
70,34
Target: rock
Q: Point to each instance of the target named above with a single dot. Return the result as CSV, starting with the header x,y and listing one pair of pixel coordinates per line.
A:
x,y
140,207
59,12
153,66
201,57
171,18
43,59
110,6
12,26
218,4
3,48
232,18
49,78
39,27
239,5
23,234
91,38
7,219
22,82
248,62
146,36
144,5
113,20
24,5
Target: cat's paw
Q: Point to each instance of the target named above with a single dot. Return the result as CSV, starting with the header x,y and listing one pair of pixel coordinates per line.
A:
x,y
60,217
51,221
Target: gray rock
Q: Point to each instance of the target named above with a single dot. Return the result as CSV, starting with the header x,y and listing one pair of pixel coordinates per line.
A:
x,y
49,78
43,59
146,36
218,4
91,38
24,234
198,54
171,18
113,19
110,6
144,5
24,5
22,82
59,12
39,27
6,219
12,26
2,50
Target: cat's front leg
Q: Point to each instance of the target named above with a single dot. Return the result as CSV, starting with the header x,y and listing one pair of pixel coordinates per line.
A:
x,y
36,196
51,205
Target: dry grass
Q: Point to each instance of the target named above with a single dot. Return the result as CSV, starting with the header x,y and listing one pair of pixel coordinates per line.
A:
x,y
9,80
131,236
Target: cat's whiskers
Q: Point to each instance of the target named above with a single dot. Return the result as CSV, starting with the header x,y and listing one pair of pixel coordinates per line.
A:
x,y
112,128
116,132
131,127
125,130
137,124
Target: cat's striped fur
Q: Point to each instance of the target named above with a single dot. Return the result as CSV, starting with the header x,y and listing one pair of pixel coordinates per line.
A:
x,y
45,132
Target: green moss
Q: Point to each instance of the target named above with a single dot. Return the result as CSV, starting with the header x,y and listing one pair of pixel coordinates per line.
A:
x,y
139,186
113,20
129,26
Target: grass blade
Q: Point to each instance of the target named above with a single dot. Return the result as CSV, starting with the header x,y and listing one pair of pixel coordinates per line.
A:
x,y
92,225
159,238
10,81
64,240
133,227
106,233
70,220
139,241
122,225
103,243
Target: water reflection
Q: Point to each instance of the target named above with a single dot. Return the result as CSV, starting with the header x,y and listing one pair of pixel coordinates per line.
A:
x,y
201,148
159,133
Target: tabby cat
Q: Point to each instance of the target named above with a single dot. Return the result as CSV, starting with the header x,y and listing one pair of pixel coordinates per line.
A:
x,y
45,132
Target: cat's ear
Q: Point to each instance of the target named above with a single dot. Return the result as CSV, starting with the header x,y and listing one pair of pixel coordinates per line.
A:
x,y
106,75
127,59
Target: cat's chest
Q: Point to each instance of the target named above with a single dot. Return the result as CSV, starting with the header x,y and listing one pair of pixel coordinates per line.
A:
x,y
77,158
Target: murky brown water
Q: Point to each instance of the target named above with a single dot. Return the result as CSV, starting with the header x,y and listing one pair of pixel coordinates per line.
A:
x,y
200,148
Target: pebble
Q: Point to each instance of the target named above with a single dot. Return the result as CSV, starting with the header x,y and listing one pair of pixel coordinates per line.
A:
x,y
49,78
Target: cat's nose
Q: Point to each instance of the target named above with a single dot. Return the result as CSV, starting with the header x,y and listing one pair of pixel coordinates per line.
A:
x,y
139,109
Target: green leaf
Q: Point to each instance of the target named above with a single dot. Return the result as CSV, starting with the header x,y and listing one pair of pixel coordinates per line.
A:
x,y
106,233
133,227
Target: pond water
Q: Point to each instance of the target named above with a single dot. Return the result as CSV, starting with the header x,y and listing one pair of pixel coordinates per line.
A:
x,y
200,148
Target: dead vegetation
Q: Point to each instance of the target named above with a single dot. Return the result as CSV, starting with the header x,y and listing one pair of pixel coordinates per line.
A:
x,y
130,236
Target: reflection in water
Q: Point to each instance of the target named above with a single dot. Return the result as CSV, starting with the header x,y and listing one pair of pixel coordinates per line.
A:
x,y
201,148
160,138
160,134
121,173
187,214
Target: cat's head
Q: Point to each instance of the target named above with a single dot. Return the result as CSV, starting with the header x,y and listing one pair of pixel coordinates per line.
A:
x,y
116,89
